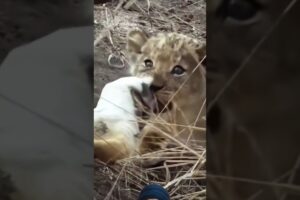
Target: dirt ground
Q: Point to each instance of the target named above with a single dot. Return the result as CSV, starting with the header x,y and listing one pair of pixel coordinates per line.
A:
x,y
112,22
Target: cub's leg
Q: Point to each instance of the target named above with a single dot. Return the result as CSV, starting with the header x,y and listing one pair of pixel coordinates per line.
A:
x,y
164,133
154,139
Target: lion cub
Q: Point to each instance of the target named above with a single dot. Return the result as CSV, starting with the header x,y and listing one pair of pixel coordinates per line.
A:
x,y
173,61
169,65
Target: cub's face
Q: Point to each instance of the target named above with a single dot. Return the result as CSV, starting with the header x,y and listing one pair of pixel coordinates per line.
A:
x,y
173,60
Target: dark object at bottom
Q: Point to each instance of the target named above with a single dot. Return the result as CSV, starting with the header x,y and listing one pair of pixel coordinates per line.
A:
x,y
101,1
154,191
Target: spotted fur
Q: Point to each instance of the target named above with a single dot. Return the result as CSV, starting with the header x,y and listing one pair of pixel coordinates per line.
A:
x,y
186,93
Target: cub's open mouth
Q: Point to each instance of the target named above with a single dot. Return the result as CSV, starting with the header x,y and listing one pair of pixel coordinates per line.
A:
x,y
162,104
151,103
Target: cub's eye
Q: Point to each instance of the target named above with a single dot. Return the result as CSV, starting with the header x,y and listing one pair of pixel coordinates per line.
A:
x,y
178,71
241,10
148,63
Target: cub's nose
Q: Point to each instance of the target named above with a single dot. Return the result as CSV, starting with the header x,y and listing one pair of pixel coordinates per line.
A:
x,y
155,88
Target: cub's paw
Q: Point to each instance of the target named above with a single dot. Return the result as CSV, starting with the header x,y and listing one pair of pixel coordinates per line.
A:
x,y
151,148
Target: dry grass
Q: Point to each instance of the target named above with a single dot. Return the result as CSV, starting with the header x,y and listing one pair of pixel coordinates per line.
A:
x,y
112,21
183,176
182,171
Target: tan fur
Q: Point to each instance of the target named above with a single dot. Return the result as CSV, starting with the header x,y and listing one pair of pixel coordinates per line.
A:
x,y
167,50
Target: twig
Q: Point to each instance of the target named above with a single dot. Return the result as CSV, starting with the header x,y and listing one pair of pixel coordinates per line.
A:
x,y
115,183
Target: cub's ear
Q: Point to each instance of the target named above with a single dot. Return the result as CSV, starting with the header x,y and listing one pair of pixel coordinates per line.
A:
x,y
201,52
135,40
